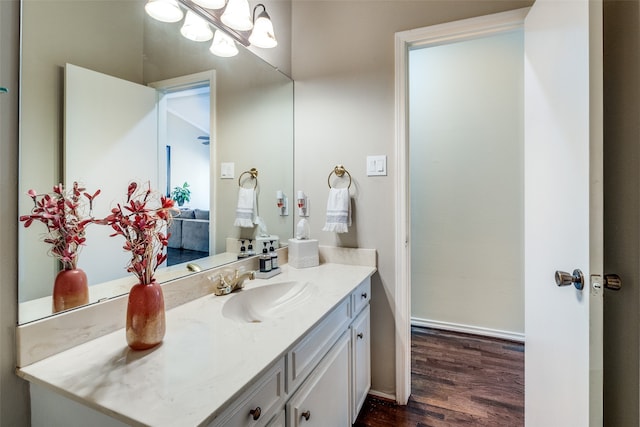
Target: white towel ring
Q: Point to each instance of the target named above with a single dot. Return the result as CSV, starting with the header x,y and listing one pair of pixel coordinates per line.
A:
x,y
254,175
339,171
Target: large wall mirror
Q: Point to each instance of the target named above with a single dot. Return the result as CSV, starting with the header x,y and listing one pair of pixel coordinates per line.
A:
x,y
109,95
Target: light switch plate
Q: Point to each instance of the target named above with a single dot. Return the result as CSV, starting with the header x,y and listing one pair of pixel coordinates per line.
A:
x,y
376,165
227,170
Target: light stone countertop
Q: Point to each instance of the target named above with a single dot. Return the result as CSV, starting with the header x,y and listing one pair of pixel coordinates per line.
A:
x,y
204,361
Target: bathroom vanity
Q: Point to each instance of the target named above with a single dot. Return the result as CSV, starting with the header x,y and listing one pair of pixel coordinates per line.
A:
x,y
291,350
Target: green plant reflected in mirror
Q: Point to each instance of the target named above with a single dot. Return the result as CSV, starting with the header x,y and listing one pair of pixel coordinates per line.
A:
x,y
181,194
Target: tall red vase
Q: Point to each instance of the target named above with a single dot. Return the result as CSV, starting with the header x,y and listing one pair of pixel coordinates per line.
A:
x,y
145,316
70,289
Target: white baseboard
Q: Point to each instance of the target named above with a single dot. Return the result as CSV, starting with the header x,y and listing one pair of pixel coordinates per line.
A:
x,y
468,329
382,395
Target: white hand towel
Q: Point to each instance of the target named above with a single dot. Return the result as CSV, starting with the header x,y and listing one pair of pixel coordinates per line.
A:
x,y
338,211
246,210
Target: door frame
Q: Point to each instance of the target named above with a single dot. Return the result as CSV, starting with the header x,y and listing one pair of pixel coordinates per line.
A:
x,y
435,35
186,82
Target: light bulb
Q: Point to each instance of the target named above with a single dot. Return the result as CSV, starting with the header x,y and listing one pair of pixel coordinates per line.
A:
x,y
223,45
237,15
262,34
195,28
164,10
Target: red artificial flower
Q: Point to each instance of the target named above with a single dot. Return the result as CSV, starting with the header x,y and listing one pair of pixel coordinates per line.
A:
x,y
143,229
63,214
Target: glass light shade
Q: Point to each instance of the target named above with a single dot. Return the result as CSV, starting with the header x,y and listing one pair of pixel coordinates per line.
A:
x,y
237,15
210,4
195,28
164,10
262,34
223,45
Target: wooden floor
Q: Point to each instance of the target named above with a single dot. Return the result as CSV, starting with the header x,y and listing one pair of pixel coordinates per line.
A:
x,y
456,380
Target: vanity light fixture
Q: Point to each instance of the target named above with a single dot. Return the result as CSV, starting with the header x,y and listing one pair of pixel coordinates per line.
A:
x,y
164,10
223,45
237,15
262,34
211,4
195,28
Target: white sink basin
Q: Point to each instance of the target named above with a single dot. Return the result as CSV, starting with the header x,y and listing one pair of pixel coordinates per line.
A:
x,y
260,304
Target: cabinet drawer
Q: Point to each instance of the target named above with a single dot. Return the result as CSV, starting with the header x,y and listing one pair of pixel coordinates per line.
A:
x,y
266,397
307,353
323,400
361,296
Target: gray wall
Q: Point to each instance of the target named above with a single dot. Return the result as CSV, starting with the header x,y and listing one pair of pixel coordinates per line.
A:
x,y
343,66
14,398
466,111
622,211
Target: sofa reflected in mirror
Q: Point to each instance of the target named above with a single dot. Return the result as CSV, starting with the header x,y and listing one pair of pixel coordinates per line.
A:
x,y
189,236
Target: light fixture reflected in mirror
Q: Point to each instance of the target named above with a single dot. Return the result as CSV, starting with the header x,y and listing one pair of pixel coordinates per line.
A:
x,y
223,45
210,4
262,34
164,10
237,15
195,28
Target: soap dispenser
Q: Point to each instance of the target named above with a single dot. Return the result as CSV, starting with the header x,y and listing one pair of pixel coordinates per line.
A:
x,y
243,250
250,251
265,260
274,256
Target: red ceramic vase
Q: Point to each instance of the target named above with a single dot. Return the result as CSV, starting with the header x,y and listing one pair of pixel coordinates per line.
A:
x,y
145,316
70,289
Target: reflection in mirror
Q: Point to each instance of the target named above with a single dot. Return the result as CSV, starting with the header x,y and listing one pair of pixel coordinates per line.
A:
x,y
250,125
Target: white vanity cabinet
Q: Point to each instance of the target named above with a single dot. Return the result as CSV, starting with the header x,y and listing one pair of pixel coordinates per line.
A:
x,y
361,366
319,378
323,400
360,347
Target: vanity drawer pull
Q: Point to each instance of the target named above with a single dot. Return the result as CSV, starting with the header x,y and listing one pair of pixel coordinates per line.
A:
x,y
360,335
306,415
364,295
256,413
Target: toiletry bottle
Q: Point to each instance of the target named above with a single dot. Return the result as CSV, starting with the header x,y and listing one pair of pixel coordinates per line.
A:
x,y
243,250
265,260
250,251
274,256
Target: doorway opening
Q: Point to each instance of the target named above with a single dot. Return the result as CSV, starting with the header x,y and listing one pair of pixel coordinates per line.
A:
x,y
186,138
463,160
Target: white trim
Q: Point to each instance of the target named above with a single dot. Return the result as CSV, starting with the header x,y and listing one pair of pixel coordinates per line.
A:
x,y
194,81
382,395
467,329
405,40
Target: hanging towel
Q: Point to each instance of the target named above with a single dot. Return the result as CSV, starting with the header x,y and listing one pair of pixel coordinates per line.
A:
x,y
338,211
246,210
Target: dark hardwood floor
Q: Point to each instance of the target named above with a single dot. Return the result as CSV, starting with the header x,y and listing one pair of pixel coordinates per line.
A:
x,y
456,380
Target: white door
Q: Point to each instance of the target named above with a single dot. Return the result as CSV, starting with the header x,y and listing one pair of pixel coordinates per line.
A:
x,y
563,212
110,140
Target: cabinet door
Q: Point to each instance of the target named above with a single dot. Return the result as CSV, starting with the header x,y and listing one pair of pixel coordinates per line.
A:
x,y
361,379
323,399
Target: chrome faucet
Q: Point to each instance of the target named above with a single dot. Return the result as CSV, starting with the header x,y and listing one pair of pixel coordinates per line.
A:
x,y
225,284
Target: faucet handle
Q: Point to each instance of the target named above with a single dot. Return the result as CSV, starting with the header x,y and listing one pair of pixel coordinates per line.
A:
x,y
221,287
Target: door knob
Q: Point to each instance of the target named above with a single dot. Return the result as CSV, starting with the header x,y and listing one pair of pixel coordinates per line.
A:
x,y
576,279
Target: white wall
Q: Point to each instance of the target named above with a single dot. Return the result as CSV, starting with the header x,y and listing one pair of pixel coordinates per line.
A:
x,y
343,66
466,173
189,161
